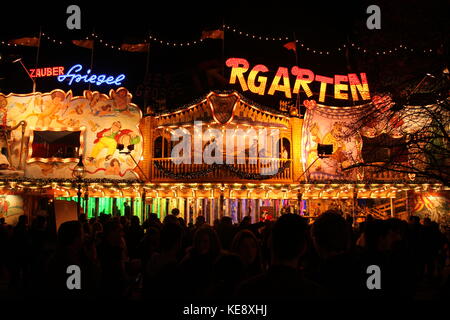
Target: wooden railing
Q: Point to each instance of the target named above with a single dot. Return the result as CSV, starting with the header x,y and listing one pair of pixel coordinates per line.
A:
x,y
253,166
383,211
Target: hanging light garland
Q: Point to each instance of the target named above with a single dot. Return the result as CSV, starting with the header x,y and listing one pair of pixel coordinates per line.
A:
x,y
341,49
399,49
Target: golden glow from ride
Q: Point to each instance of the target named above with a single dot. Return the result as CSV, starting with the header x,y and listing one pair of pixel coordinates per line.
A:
x,y
256,83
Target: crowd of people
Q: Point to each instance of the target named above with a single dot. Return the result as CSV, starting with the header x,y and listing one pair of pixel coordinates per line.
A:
x,y
121,258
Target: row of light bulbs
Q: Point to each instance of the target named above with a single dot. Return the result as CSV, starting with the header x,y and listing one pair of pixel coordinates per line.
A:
x,y
340,49
396,50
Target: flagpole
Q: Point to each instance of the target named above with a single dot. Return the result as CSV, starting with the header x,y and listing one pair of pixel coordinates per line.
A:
x,y
296,55
146,73
297,101
223,47
92,54
37,55
38,48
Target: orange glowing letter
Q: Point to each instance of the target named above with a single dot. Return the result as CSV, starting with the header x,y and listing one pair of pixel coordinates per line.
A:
x,y
357,86
304,76
262,80
239,67
323,86
338,87
285,87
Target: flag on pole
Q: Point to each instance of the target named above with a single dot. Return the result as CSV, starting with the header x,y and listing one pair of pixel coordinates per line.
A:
x,y
137,47
291,46
212,34
88,44
27,41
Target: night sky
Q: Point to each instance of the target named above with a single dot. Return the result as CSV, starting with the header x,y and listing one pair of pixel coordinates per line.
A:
x,y
178,76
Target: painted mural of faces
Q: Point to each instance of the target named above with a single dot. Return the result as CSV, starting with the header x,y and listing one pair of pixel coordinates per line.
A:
x,y
58,97
121,98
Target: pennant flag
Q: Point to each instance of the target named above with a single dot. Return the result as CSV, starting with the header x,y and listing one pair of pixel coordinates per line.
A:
x,y
291,46
28,41
213,34
137,47
88,44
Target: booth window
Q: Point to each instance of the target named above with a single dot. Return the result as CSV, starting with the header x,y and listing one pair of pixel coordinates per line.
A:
x,y
162,148
285,150
55,144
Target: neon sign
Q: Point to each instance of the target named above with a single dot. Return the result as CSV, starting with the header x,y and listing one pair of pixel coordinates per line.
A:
x,y
73,75
46,72
256,83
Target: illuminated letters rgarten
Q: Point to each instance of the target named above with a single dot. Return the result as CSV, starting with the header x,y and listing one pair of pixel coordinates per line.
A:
x,y
258,83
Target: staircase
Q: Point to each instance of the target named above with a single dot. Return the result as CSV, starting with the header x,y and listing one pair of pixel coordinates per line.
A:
x,y
383,211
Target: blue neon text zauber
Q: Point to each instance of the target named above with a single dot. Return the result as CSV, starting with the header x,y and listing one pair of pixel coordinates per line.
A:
x,y
73,75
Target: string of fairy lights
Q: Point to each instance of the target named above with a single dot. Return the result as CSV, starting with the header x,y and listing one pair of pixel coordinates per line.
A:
x,y
282,40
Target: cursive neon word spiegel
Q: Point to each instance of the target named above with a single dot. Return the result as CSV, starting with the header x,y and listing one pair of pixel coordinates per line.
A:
x,y
74,75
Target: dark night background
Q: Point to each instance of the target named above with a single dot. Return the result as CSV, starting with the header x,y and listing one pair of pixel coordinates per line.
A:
x,y
177,76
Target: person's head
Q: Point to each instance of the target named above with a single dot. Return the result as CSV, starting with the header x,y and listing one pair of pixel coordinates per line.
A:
x,y
330,234
181,222
426,221
175,212
200,220
113,232
70,234
135,221
171,219
206,241
153,217
288,239
2,220
226,221
22,221
245,244
246,221
170,237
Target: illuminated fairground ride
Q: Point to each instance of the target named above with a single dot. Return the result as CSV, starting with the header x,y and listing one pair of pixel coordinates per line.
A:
x,y
222,155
